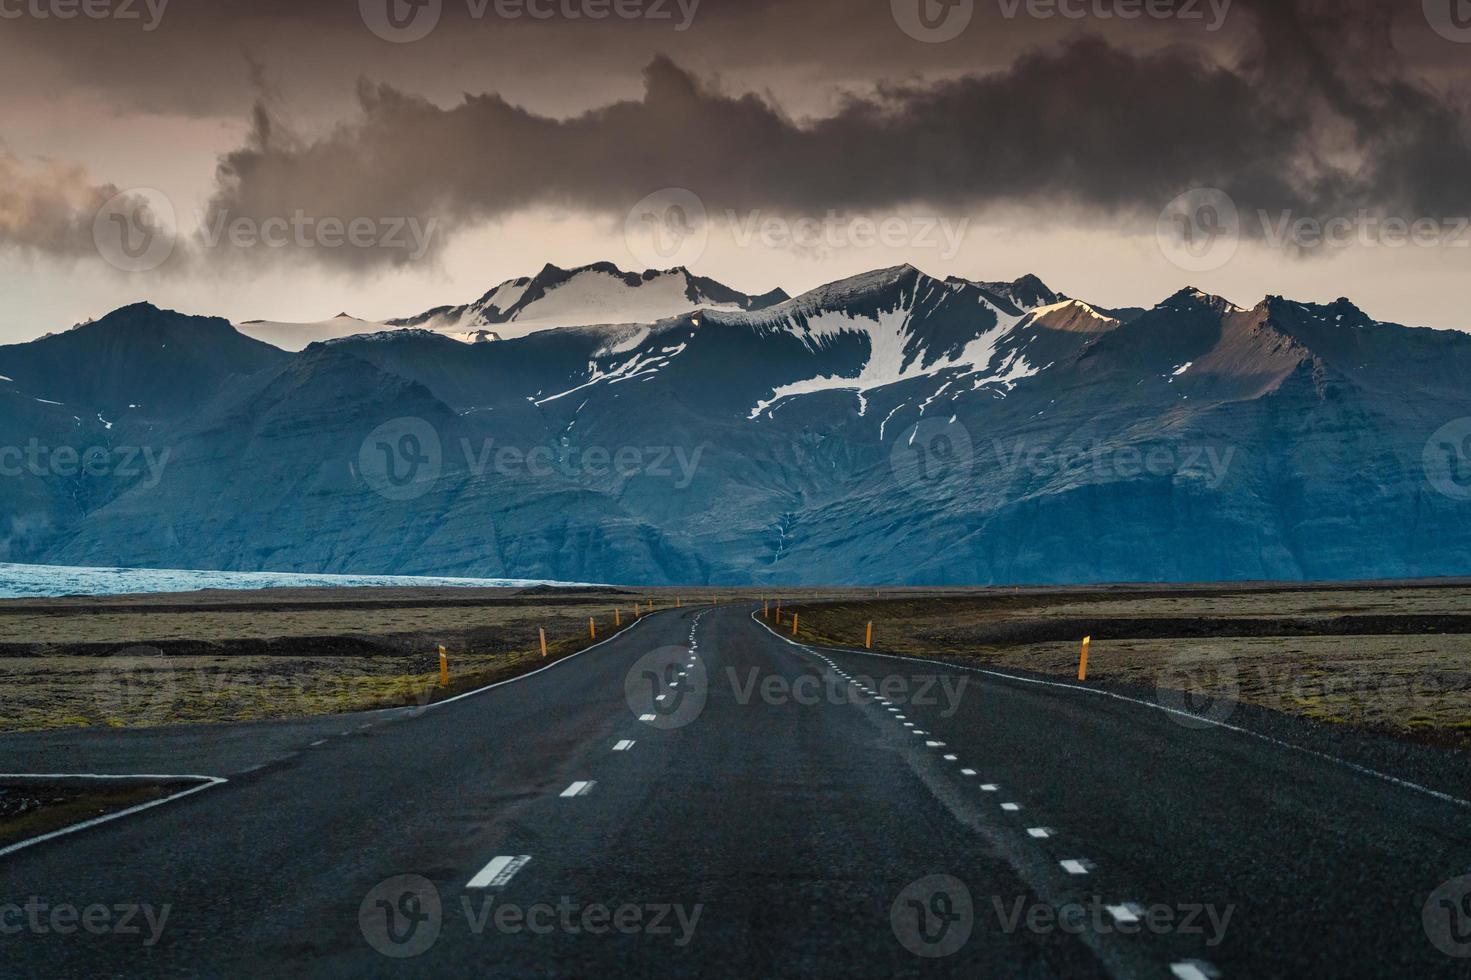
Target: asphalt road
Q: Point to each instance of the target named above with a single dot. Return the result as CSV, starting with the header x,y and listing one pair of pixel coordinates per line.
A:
x,y
702,797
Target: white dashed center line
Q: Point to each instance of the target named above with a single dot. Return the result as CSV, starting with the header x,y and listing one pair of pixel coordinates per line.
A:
x,y
646,718
623,745
499,871
1011,807
579,788
1039,832
1074,867
1123,914
966,772
1193,970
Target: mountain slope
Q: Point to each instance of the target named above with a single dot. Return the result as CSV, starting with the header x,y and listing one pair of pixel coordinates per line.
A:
x,y
138,359
890,427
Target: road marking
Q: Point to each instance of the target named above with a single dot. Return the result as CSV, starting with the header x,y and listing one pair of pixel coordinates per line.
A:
x,y
623,745
661,697
901,717
964,772
909,724
1011,807
988,788
1074,867
1040,833
935,745
579,788
207,782
320,741
499,871
1193,970
1097,692
646,718
952,758
1123,914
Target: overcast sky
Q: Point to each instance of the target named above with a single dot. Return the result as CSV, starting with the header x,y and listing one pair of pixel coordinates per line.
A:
x,y
278,159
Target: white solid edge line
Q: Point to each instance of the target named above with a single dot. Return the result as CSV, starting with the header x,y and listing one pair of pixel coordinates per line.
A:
x,y
518,677
1354,766
208,782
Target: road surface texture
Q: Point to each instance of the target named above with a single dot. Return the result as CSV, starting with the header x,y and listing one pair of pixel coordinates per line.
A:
x,y
700,796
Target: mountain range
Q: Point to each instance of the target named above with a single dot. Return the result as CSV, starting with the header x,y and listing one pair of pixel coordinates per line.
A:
x,y
661,428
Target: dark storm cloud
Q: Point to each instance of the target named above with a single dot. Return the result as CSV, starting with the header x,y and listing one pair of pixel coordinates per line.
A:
x,y
47,207
1304,107
1315,119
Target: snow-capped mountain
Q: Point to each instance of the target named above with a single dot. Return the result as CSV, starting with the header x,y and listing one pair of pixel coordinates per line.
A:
x,y
592,294
299,336
890,427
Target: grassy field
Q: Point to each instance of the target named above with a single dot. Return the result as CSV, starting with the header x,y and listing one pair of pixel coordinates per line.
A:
x,y
208,657
1394,660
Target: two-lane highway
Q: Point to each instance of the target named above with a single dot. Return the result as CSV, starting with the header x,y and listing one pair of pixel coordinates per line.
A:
x,y
701,796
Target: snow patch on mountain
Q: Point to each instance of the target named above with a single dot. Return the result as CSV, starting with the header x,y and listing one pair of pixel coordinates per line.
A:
x,y
891,358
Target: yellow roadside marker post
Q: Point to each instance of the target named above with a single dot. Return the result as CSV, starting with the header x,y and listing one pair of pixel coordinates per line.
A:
x,y
443,667
765,610
868,637
1083,660
592,628
794,624
543,642
617,617
678,603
